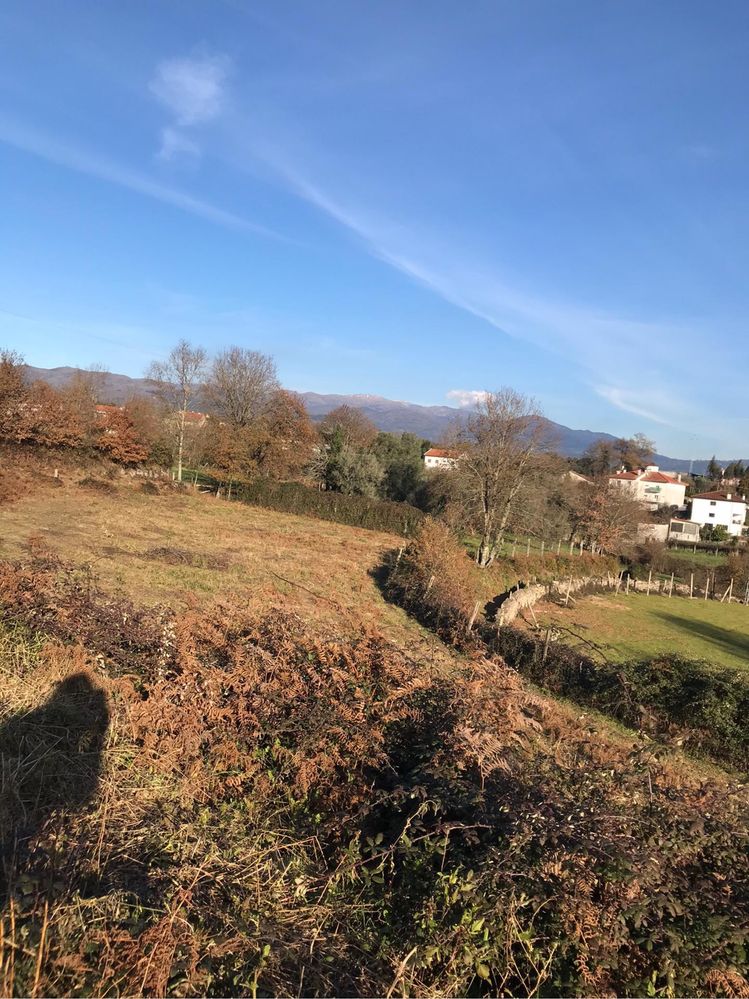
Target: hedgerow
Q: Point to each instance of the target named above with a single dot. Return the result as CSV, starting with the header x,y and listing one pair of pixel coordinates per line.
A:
x,y
356,511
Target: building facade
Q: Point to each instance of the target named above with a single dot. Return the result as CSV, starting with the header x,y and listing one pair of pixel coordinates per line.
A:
x,y
438,457
719,509
652,487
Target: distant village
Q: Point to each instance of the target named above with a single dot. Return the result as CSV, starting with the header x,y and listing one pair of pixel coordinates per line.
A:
x,y
717,514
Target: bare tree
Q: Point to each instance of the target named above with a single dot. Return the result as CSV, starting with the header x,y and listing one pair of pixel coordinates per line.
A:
x,y
350,426
501,442
242,384
84,390
634,452
606,517
177,379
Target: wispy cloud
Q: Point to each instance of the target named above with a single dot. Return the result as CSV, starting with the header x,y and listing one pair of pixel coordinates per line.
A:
x,y
639,402
612,350
83,161
466,398
193,90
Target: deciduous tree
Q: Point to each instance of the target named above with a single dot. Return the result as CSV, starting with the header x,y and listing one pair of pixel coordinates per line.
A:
x,y
177,380
501,444
606,517
634,452
350,426
289,437
120,440
241,385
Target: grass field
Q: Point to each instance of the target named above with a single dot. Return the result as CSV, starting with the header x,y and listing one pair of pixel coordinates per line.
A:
x,y
636,626
321,570
708,559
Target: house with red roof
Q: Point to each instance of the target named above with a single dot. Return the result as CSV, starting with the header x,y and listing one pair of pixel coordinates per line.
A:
x,y
440,457
651,486
719,509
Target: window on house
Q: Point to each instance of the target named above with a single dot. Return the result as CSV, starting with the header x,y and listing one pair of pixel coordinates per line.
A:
x,y
712,514
712,502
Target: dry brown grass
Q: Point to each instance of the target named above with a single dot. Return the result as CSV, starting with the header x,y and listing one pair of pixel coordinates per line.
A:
x,y
271,812
321,570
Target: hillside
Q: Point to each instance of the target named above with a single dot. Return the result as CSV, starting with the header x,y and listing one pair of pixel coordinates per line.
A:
x,y
430,422
231,768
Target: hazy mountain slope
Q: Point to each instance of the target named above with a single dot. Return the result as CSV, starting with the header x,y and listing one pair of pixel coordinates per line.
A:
x,y
431,422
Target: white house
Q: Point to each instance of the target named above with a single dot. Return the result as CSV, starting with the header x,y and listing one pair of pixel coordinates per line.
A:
x,y
652,487
439,457
725,509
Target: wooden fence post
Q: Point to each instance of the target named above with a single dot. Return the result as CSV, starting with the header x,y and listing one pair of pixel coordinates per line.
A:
x,y
671,585
707,583
569,587
691,585
528,547
650,580
627,587
542,549
473,616
559,546
546,644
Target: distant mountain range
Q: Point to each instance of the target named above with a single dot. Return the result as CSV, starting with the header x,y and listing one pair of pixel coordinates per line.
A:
x,y
431,422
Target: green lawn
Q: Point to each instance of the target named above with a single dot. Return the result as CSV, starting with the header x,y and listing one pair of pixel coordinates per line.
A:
x,y
636,626
699,557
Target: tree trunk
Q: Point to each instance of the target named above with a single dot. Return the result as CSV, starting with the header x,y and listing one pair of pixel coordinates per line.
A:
x,y
485,552
180,446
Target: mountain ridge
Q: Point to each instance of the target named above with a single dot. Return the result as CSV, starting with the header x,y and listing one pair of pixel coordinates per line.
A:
x,y
395,416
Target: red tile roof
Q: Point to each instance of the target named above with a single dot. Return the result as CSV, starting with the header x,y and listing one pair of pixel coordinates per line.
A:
x,y
662,477
439,452
647,477
720,497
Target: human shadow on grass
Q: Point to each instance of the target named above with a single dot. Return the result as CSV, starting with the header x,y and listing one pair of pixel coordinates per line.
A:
x,y
50,761
736,643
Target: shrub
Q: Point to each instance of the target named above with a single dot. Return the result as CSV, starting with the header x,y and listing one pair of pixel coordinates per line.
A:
x,y
99,485
435,579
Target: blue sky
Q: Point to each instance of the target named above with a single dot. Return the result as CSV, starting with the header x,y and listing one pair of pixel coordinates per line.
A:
x,y
420,201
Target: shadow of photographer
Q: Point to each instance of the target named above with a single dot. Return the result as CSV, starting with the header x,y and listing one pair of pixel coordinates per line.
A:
x,y
50,760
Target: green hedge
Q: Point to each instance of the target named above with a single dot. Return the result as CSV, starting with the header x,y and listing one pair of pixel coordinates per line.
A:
x,y
708,706
355,511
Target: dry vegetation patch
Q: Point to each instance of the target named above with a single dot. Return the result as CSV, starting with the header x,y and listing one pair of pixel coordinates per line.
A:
x,y
321,570
266,809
